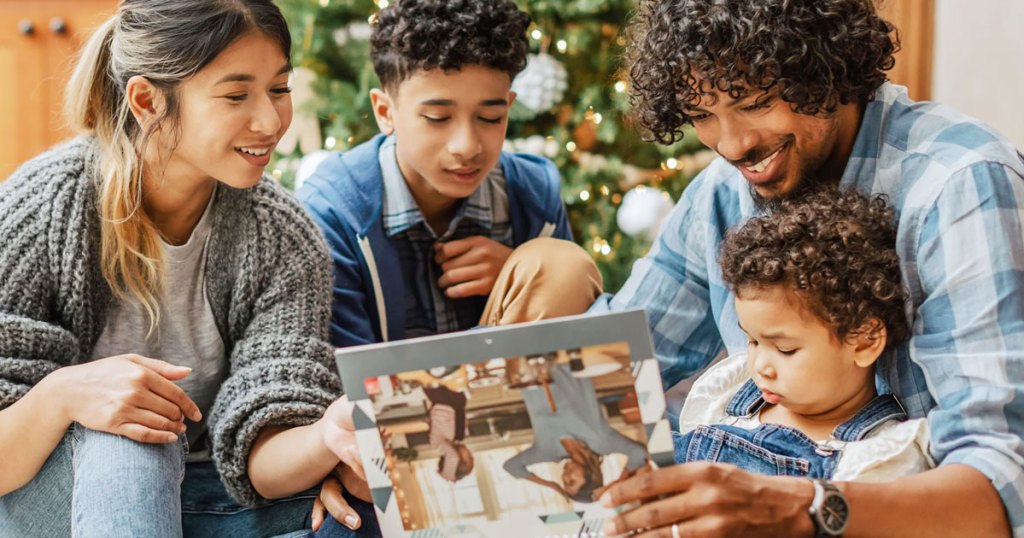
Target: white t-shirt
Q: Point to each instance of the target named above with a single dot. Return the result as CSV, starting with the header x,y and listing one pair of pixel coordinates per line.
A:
x,y
187,334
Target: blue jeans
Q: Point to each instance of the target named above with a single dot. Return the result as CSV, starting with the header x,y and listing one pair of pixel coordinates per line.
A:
x,y
773,449
98,484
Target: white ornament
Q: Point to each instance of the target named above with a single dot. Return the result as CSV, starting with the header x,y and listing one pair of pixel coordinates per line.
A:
x,y
542,84
356,31
535,144
308,165
642,210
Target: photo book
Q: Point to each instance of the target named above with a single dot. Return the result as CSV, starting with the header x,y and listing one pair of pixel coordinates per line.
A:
x,y
509,431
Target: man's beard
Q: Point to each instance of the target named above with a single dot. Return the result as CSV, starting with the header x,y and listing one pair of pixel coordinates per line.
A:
x,y
770,204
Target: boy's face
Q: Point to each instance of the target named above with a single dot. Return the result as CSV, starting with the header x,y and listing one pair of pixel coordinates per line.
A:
x,y
449,129
796,359
775,148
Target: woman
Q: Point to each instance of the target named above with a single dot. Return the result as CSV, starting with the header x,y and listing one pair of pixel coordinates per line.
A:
x,y
164,307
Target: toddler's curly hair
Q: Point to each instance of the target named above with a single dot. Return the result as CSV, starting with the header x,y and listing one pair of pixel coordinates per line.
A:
x,y
817,54
836,250
420,35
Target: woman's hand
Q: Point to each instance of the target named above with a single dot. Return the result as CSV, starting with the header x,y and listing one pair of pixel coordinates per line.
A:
x,y
338,435
128,395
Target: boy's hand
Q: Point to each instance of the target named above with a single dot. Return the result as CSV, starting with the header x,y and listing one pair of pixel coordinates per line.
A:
x,y
470,266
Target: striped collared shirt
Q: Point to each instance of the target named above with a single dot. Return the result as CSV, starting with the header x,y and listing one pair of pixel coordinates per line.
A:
x,y
485,212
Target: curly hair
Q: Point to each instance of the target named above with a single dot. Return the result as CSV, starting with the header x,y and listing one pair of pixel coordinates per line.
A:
x,y
419,35
836,250
818,54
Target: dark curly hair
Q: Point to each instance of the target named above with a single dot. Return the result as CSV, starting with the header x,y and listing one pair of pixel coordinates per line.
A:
x,y
415,35
816,53
836,250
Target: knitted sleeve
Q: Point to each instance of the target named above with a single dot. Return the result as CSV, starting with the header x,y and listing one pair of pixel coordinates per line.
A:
x,y
38,218
282,366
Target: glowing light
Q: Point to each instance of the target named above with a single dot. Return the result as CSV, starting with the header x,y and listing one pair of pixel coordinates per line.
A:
x,y
277,173
584,195
330,142
597,117
536,34
324,3
672,163
562,46
605,190
606,249
570,146
620,86
382,4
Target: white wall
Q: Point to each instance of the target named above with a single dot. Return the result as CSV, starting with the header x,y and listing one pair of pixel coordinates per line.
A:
x,y
979,61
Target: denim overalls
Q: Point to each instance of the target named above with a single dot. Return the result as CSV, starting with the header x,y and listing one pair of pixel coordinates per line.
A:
x,y
774,449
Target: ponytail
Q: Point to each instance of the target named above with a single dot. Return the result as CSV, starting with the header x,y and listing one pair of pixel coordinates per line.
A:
x,y
131,255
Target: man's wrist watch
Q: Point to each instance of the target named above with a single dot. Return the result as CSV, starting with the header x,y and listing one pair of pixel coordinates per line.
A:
x,y
829,510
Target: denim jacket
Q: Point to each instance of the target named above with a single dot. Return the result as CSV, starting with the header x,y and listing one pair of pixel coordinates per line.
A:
x,y
775,449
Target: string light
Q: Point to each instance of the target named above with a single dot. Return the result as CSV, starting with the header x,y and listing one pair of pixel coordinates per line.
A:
x,y
562,46
597,118
570,146
382,4
277,173
536,34
324,3
330,142
584,195
605,191
672,163
620,86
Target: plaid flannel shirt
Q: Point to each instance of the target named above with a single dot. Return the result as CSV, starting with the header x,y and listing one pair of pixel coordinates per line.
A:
x,y
958,190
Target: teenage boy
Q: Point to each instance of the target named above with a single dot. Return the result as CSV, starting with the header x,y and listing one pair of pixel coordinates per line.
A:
x,y
431,227
421,219
787,91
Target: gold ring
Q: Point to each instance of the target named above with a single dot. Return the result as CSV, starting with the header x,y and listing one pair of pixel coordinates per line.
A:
x,y
675,530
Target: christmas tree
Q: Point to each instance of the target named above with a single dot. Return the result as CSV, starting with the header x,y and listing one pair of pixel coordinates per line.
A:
x,y
571,107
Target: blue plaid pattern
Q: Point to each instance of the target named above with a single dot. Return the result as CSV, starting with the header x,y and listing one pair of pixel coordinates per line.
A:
x,y
958,188
485,212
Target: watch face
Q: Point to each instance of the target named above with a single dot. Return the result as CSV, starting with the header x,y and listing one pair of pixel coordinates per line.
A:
x,y
834,512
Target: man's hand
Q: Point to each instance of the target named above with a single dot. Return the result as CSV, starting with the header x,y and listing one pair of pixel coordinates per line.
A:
x,y
470,266
710,499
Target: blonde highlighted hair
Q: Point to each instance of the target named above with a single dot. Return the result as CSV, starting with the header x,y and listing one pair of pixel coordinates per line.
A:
x,y
167,43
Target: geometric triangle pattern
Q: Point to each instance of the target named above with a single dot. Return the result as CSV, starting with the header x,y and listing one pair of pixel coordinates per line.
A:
x,y
381,496
566,517
643,397
360,420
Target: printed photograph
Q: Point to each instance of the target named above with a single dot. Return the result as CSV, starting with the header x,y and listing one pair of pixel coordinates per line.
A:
x,y
509,437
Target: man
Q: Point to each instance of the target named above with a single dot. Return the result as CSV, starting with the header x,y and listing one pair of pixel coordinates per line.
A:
x,y
792,96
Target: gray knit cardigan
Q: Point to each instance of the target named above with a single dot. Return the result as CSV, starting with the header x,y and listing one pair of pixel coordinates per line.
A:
x,y
268,279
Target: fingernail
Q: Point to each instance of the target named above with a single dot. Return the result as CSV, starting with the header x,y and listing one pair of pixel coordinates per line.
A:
x,y
606,500
351,521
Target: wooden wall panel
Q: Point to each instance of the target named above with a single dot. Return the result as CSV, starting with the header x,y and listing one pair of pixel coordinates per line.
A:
x,y
915,21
